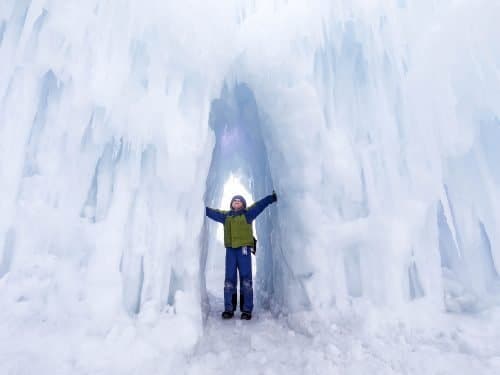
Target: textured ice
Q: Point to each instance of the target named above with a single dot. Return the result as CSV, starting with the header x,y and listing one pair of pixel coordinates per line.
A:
x,y
376,122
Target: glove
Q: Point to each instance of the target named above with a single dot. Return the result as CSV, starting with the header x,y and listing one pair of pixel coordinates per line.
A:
x,y
275,197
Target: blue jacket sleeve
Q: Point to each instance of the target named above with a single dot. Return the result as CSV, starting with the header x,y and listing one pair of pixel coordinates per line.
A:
x,y
217,215
255,209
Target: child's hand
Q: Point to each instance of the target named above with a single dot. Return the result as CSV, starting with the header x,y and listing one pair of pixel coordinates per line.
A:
x,y
275,197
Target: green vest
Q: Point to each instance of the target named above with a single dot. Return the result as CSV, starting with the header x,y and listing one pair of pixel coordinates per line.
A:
x,y
237,232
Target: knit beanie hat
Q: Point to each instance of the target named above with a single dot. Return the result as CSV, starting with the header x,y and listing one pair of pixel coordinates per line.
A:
x,y
241,199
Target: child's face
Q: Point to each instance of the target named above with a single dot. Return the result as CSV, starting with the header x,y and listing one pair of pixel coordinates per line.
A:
x,y
237,205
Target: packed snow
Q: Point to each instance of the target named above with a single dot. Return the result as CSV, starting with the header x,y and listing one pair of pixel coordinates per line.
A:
x,y
376,122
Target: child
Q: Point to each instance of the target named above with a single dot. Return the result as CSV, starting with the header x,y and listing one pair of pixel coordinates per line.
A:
x,y
239,242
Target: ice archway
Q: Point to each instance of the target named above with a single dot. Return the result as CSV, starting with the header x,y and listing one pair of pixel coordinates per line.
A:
x,y
380,122
240,149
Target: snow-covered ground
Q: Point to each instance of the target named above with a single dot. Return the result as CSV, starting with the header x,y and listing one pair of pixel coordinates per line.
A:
x,y
338,343
377,123
348,344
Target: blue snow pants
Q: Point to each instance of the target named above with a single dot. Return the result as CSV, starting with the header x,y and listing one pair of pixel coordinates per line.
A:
x,y
238,259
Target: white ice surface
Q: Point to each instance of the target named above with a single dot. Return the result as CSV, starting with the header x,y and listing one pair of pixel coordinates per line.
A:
x,y
377,122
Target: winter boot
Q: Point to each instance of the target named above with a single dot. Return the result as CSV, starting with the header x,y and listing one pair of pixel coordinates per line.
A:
x,y
246,315
227,314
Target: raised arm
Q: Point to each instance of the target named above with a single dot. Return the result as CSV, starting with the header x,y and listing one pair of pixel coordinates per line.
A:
x,y
255,209
217,215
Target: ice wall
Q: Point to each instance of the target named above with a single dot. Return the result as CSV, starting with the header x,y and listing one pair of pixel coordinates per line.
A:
x,y
380,122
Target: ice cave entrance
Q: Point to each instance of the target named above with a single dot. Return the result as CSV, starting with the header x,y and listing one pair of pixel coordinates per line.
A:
x,y
239,166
